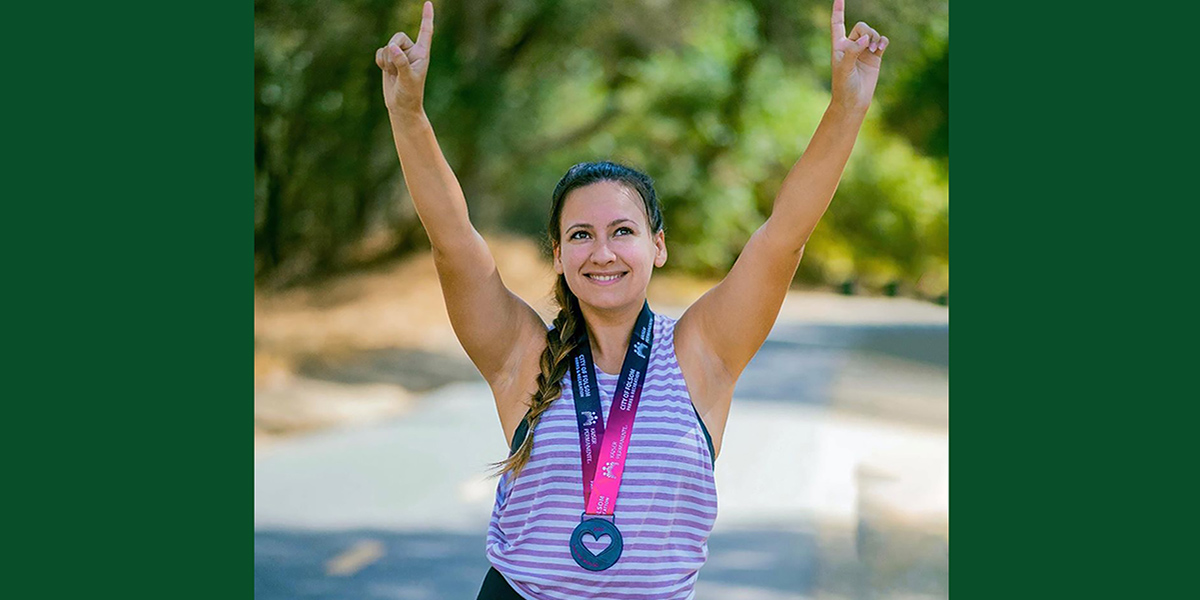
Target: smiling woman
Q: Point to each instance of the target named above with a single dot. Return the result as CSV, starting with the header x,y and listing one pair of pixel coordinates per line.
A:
x,y
611,397
610,239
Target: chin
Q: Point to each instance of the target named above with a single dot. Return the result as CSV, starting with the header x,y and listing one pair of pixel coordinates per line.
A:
x,y
605,302
605,298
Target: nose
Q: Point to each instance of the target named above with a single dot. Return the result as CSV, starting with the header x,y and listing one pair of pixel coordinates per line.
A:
x,y
603,255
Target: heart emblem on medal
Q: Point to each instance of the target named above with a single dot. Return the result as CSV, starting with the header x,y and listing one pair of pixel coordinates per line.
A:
x,y
583,552
596,545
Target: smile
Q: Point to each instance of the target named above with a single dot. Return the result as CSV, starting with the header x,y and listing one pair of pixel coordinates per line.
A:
x,y
606,279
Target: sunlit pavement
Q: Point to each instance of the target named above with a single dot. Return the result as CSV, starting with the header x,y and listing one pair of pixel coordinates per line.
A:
x,y
833,482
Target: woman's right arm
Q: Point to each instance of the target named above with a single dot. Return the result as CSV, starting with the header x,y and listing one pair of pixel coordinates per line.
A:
x,y
493,324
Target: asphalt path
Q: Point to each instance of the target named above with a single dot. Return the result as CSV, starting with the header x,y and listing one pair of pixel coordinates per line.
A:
x,y
833,481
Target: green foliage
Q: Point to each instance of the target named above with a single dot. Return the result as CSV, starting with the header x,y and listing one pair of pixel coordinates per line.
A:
x,y
919,104
715,99
321,162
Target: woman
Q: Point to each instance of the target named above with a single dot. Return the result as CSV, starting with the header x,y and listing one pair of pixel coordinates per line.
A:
x,y
568,396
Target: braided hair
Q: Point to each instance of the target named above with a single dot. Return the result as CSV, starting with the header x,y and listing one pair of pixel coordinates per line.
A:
x,y
563,338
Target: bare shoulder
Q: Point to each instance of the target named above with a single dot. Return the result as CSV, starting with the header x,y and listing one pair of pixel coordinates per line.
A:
x,y
514,385
709,382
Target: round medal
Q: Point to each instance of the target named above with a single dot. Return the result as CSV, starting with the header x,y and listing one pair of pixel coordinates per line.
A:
x,y
596,528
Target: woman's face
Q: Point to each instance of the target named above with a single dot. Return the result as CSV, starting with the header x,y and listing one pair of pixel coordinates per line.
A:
x,y
605,233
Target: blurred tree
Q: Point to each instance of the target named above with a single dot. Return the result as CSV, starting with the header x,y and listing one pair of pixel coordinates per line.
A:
x,y
316,127
920,106
713,98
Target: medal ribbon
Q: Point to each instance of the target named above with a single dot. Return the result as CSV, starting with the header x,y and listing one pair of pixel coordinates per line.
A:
x,y
603,444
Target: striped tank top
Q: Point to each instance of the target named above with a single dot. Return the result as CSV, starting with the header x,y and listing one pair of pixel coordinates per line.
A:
x,y
665,509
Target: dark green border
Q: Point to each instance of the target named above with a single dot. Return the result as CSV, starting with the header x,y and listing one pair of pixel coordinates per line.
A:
x,y
130,244
128,237
1058,446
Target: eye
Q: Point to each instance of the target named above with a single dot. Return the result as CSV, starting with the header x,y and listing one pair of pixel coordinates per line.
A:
x,y
620,229
577,232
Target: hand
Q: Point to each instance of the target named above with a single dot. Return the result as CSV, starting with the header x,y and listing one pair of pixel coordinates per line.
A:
x,y
404,65
855,62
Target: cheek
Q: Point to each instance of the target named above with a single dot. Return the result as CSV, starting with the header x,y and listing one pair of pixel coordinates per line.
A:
x,y
642,251
637,257
571,257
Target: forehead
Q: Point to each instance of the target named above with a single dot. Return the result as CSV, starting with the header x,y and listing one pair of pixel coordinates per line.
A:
x,y
601,203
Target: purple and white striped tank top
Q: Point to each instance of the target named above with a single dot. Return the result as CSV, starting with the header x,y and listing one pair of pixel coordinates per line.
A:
x,y
665,509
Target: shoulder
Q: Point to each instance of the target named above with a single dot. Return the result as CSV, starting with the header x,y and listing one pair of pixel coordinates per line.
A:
x,y
701,366
519,381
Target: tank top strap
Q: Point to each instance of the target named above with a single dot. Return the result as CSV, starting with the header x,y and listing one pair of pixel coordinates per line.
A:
x,y
523,427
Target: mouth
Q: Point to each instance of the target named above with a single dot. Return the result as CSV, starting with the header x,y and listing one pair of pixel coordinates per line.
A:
x,y
606,278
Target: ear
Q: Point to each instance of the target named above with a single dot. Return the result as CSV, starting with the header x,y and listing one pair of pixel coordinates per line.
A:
x,y
660,254
558,266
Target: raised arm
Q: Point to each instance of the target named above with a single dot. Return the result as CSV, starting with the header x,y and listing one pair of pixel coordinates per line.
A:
x,y
489,320
733,319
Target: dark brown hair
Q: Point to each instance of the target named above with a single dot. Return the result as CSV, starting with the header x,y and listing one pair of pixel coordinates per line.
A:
x,y
564,337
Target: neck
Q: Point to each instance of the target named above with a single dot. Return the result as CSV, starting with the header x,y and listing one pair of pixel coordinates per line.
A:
x,y
609,331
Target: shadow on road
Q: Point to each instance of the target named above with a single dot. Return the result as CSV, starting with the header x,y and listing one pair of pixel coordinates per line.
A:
x,y
414,370
294,565
752,564
894,373
924,343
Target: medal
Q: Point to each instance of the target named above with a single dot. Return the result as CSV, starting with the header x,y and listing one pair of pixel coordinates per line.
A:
x,y
603,444
596,527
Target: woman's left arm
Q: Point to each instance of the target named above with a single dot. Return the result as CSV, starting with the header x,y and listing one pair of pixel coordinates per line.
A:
x,y
809,186
733,319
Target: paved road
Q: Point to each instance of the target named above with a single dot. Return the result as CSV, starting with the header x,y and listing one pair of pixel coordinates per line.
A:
x,y
833,482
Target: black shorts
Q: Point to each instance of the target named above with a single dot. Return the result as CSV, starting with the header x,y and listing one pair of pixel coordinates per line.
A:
x,y
496,588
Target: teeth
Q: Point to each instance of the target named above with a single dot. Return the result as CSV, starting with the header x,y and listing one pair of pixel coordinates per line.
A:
x,y
604,278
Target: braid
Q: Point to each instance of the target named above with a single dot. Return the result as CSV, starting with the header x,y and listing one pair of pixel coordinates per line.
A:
x,y
563,338
555,360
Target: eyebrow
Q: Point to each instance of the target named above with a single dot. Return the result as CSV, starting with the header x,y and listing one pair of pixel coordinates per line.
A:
x,y
588,226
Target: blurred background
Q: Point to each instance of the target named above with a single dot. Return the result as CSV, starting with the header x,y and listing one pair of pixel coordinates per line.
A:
x,y
373,430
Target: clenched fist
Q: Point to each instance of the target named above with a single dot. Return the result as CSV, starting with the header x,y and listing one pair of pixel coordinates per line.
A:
x,y
404,64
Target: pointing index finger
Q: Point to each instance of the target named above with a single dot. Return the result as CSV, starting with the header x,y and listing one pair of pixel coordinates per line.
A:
x,y
424,37
838,20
